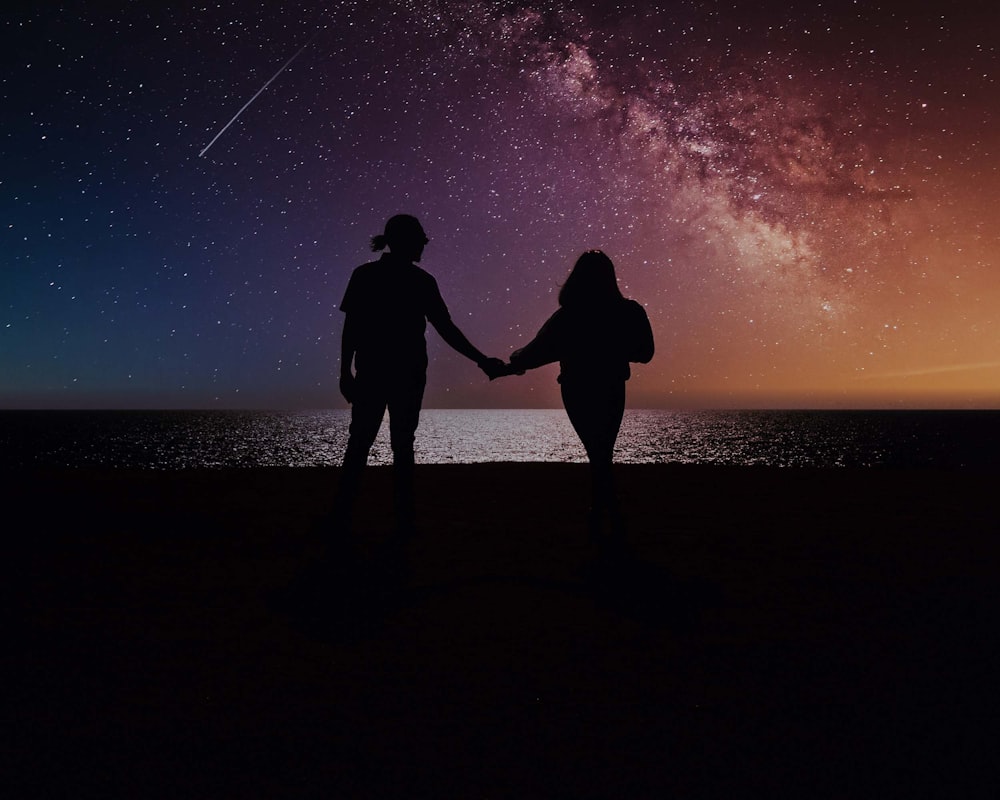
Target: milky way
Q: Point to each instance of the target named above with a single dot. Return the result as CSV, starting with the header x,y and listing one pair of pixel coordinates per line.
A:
x,y
802,197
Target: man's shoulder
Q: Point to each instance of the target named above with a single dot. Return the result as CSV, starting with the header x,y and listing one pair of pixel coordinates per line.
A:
x,y
366,269
382,266
408,283
422,274
421,282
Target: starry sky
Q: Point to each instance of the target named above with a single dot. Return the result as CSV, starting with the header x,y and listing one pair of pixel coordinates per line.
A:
x,y
804,196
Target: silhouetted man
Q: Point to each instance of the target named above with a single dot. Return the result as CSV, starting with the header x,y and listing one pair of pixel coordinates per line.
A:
x,y
387,305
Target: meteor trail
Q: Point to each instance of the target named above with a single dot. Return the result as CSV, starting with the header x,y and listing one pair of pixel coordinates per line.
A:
x,y
920,372
259,91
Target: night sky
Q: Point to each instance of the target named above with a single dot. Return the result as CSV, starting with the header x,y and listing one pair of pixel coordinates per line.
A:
x,y
803,196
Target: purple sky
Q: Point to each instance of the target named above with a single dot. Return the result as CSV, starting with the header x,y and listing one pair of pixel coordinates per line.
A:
x,y
803,196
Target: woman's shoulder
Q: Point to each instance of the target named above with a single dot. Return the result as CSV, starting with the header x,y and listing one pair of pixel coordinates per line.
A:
x,y
633,311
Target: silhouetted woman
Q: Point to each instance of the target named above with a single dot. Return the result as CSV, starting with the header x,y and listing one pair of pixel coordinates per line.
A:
x,y
593,335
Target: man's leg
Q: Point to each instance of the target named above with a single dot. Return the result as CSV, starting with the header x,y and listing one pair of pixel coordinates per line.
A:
x,y
367,411
404,416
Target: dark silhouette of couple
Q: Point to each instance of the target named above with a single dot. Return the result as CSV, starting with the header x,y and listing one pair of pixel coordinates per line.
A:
x,y
593,335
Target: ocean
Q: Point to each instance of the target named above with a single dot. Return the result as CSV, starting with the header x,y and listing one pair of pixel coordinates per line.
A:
x,y
161,440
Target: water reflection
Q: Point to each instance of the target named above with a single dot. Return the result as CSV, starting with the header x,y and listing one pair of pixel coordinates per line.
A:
x,y
184,439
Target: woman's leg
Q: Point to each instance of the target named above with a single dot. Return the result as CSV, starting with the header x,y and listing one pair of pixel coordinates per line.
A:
x,y
595,411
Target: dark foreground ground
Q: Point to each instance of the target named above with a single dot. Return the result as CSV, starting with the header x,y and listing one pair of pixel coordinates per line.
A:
x,y
781,633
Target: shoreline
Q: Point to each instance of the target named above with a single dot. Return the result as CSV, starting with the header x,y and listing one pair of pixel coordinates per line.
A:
x,y
796,631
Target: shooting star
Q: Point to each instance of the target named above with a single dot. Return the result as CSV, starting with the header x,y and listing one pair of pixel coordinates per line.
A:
x,y
939,370
259,92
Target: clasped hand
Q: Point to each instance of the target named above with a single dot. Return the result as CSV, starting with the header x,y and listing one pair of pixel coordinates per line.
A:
x,y
498,368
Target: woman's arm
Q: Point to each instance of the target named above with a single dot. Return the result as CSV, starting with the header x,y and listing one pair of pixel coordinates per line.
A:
x,y
543,349
640,335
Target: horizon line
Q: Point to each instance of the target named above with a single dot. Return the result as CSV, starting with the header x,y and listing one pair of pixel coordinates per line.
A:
x,y
683,408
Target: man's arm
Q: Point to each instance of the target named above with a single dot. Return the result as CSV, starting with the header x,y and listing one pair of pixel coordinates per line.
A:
x,y
456,340
438,316
348,347
493,367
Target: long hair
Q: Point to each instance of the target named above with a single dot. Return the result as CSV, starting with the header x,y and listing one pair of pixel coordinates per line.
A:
x,y
591,282
399,229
